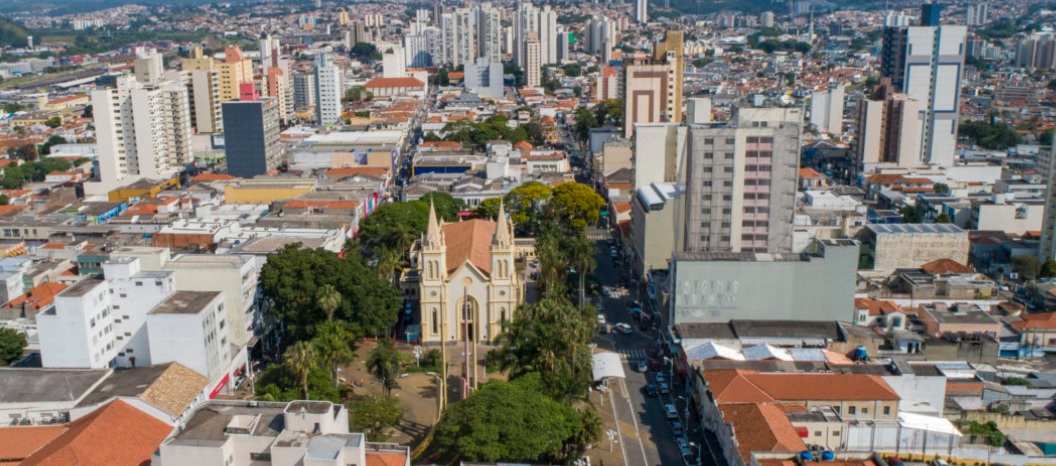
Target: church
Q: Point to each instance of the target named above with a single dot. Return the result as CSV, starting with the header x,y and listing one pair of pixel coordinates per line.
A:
x,y
466,271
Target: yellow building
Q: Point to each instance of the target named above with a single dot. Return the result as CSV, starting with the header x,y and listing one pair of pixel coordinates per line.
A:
x,y
266,190
198,62
142,189
234,70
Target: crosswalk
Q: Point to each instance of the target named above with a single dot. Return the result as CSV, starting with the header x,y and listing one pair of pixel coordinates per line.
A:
x,y
598,235
631,354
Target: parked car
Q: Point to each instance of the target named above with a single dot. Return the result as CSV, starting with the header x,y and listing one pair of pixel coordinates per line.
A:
x,y
624,328
684,447
670,411
660,377
643,366
650,391
664,389
676,427
601,319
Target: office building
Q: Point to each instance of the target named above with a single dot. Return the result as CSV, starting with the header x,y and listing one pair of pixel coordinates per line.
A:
x,y
393,62
826,110
641,11
489,33
740,183
533,68
143,131
484,78
329,89
303,90
234,70
925,62
456,42
525,20
148,65
251,136
889,129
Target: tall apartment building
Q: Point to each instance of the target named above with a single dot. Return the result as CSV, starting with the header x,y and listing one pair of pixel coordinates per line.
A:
x,y
203,90
419,47
142,131
525,20
889,128
234,70
641,11
608,84
251,135
564,44
456,29
276,84
740,183
652,92
977,14
1047,162
826,110
489,33
188,328
1036,51
533,69
133,293
79,331
148,65
601,35
484,78
926,62
328,91
303,90
547,35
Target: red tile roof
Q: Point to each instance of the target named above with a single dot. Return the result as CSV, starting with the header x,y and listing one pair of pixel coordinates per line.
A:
x,y
117,434
741,386
761,428
875,307
16,443
442,144
523,145
1043,320
385,458
39,297
304,203
469,241
946,266
393,82
807,172
353,171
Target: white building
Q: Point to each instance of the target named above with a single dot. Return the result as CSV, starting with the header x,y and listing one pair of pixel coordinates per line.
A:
x,y
484,78
134,293
641,11
533,66
525,20
329,89
188,328
148,65
203,88
143,131
489,33
418,47
456,29
79,331
393,62
548,35
826,110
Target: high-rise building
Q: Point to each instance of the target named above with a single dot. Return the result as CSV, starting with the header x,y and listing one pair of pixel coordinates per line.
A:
x,y
533,66
303,90
564,45
766,19
234,70
926,62
601,35
457,37
148,65
641,11
342,17
977,14
740,183
608,84
826,110
203,89
1047,162
489,33
889,129
1036,51
418,47
484,78
328,91
547,36
525,20
251,136
277,87
653,92
142,130
931,14
393,62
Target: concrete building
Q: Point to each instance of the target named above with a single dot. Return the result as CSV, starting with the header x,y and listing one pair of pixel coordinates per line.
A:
x,y
456,42
484,78
79,331
251,134
889,129
148,66
741,180
303,90
1036,51
658,152
525,21
652,218
489,33
393,62
652,93
203,90
607,86
548,35
329,89
142,131
719,286
826,110
188,327
766,19
134,293
1010,215
235,70
419,47
926,63
533,67
641,11
910,245
1047,164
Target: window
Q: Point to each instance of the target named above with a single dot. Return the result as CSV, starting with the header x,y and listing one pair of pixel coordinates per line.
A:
x,y
887,410
865,410
817,433
852,410
835,433
123,295
709,141
727,169
709,155
730,141
139,283
753,139
435,322
729,156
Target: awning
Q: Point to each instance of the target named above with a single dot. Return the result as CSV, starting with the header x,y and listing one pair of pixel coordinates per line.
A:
x,y
607,365
928,423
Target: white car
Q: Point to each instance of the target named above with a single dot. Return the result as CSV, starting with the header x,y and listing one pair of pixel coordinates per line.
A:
x,y
601,319
623,328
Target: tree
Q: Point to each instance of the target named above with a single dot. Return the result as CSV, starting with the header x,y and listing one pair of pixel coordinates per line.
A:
x,y
1026,266
45,148
576,205
384,365
12,343
507,421
584,121
393,227
1048,268
300,359
943,218
374,416
489,208
27,152
609,110
581,256
534,131
4,200
1051,86
279,383
53,122
430,137
357,93
328,300
989,135
447,206
364,51
526,203
941,188
912,213
333,344
572,70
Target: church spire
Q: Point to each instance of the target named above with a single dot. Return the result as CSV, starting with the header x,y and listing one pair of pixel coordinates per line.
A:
x,y
502,233
432,230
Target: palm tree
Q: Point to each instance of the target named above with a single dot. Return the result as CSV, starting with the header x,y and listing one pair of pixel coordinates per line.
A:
x,y
581,254
384,365
301,358
329,299
333,343
388,261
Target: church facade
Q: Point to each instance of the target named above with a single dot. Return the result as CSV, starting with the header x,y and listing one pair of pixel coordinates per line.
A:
x,y
468,282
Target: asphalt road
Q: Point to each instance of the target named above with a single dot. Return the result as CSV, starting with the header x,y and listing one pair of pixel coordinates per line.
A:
x,y
647,436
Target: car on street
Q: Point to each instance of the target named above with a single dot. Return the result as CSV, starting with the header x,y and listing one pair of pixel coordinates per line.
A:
x,y
624,328
664,389
670,411
684,447
650,391
660,378
601,319
676,427
643,366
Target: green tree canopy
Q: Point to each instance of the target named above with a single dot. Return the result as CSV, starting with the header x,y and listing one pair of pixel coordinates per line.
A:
x,y
384,365
374,416
53,122
584,121
12,343
1026,266
365,51
279,383
572,70
489,208
993,136
609,111
526,204
45,148
447,207
394,226
576,205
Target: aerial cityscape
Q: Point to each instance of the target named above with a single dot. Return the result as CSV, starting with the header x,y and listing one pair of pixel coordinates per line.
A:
x,y
593,233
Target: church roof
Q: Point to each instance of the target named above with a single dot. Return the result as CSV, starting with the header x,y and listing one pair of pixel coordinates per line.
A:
x,y
469,240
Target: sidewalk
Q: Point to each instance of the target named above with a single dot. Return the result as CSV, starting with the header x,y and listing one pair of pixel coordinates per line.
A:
x,y
600,454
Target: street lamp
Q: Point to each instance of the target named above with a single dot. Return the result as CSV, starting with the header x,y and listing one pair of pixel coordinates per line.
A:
x,y
612,436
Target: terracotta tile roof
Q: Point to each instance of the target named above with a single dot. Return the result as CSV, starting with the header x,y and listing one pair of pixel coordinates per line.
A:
x,y
1041,320
456,74
6,210
72,98
175,389
761,428
884,179
16,443
946,266
385,458
212,177
54,246
807,172
469,240
740,386
353,171
115,435
393,82
39,297
621,206
876,307
442,144
523,145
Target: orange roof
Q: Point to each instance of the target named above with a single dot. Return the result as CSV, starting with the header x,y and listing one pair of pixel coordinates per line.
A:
x,y
876,308
523,145
116,434
442,144
10,209
807,172
622,206
753,387
386,458
884,179
305,203
946,266
469,241
39,297
54,246
16,443
212,177
1042,320
761,427
72,98
393,82
353,171
456,74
